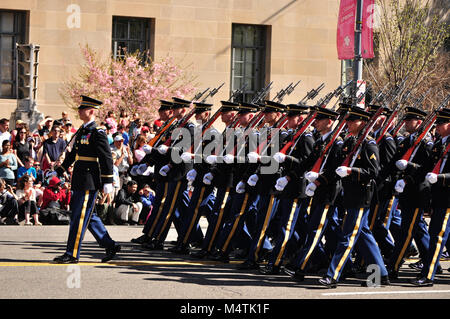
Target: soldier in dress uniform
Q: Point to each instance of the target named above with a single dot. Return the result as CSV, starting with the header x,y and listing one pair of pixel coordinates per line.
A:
x,y
439,177
413,191
176,181
234,232
358,183
202,194
91,156
323,187
290,188
219,176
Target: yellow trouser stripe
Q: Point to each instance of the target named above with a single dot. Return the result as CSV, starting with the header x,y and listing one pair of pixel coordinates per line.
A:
x,y
169,214
200,199
287,233
161,206
372,222
236,222
388,213
80,225
263,230
407,241
316,238
350,244
439,243
219,219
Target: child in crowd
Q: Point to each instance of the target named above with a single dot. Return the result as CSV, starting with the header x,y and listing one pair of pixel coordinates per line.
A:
x,y
26,197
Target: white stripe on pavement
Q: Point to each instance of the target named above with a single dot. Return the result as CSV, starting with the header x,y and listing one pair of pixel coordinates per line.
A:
x,y
385,292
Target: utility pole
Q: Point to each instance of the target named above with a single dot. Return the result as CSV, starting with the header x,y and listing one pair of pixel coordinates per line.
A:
x,y
357,61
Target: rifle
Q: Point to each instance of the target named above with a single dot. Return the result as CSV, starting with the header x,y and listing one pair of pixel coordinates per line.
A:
x,y
385,127
235,93
423,130
168,125
213,92
311,94
288,90
400,123
260,96
362,136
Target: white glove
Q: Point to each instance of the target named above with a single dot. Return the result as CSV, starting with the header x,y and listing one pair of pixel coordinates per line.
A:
x,y
252,180
431,178
281,183
229,159
279,157
147,149
164,170
108,188
162,149
187,157
253,157
191,175
211,159
207,178
400,186
401,164
310,189
311,176
240,187
141,169
342,171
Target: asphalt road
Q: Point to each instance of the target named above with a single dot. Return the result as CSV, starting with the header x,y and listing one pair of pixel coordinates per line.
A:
x,y
26,272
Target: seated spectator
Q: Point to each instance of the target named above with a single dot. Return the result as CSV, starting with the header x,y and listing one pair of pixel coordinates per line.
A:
x,y
128,204
56,194
8,163
147,198
9,208
26,197
39,173
122,130
28,168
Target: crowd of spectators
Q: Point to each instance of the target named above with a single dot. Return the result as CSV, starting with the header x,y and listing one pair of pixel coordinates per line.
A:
x,y
30,192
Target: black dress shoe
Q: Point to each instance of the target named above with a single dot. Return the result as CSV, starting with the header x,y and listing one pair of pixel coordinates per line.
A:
x,y
65,259
393,275
220,257
417,265
328,282
111,253
269,270
422,282
199,254
247,265
384,281
297,275
180,249
140,240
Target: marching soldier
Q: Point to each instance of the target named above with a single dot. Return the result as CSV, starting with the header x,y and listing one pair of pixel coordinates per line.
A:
x,y
91,156
358,187
323,188
414,191
201,193
438,176
290,187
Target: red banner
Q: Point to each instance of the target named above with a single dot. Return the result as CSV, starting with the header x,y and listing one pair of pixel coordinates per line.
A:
x,y
346,30
367,29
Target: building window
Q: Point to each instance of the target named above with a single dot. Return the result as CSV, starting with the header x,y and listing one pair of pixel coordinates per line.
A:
x,y
12,31
132,34
249,59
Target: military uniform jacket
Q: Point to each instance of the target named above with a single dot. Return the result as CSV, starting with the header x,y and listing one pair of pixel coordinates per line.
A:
x,y
223,173
200,165
330,184
417,190
440,191
268,170
359,186
385,181
294,165
92,159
